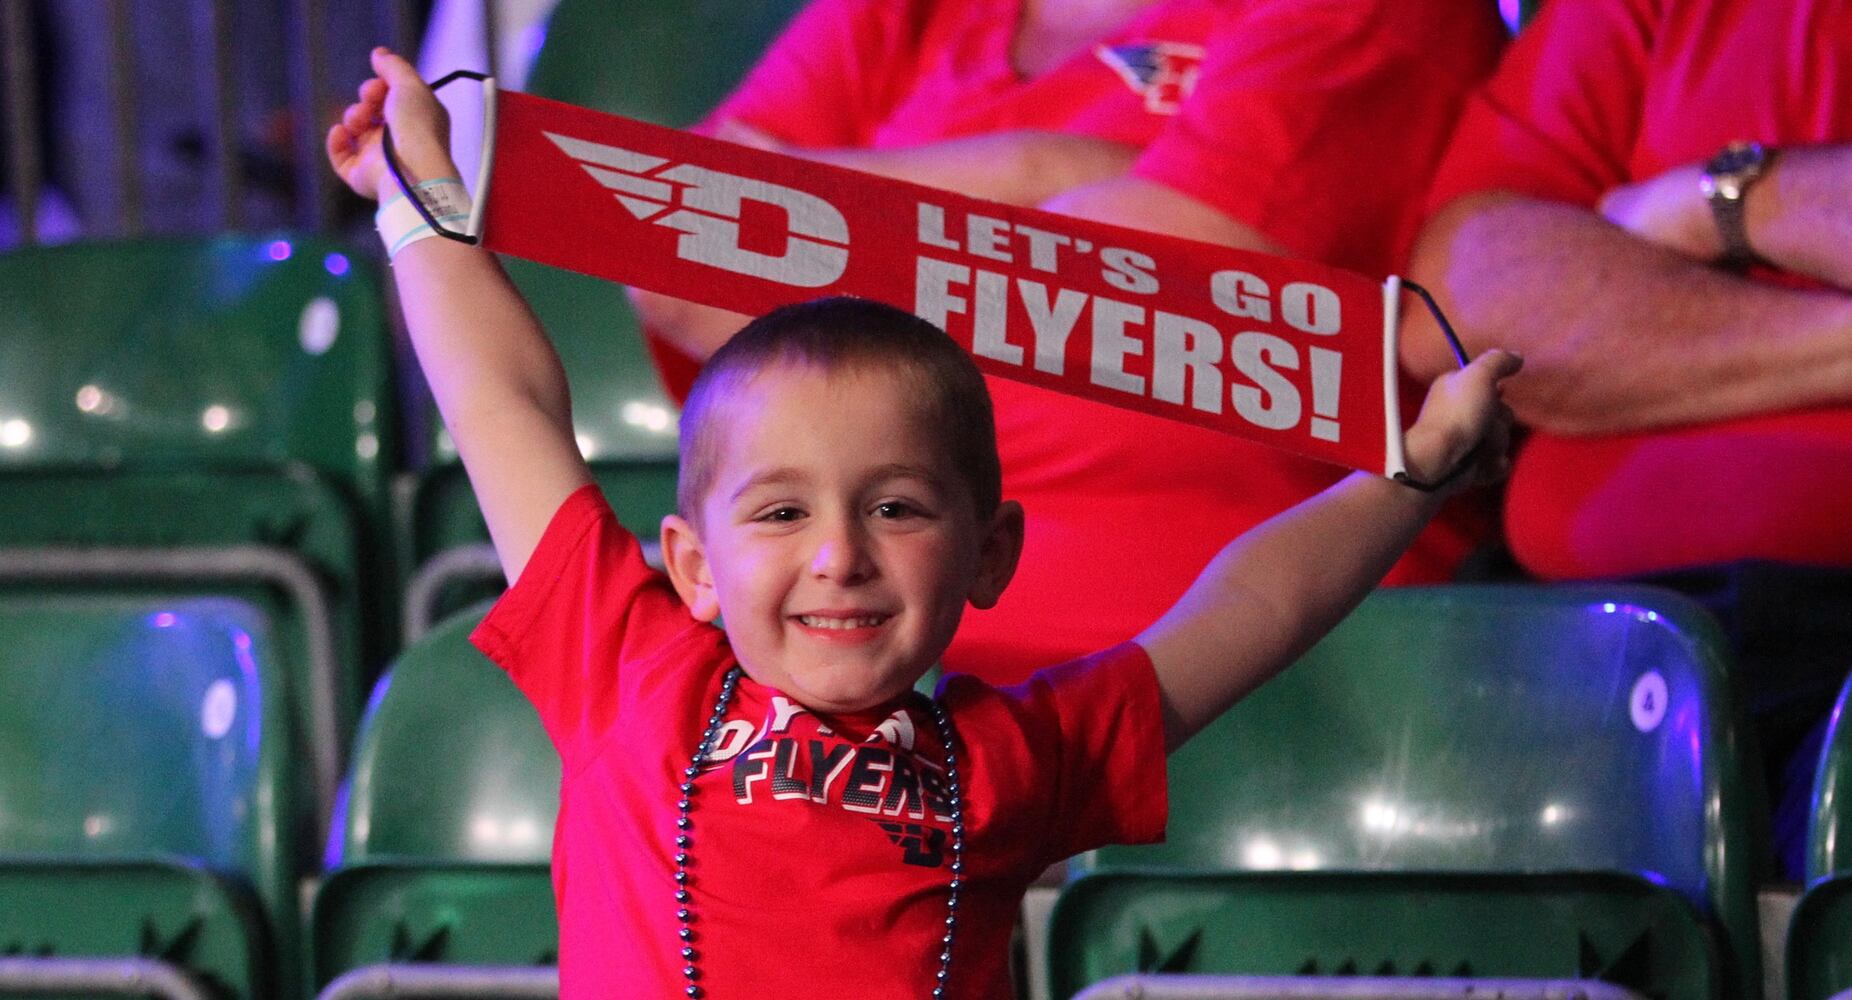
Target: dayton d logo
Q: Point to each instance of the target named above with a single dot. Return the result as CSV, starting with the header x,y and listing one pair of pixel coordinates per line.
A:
x,y
704,206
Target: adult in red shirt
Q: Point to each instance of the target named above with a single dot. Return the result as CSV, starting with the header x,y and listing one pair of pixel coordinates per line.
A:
x,y
1691,418
1303,127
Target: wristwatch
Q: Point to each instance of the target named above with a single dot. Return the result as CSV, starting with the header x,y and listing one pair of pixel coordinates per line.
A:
x,y
1725,182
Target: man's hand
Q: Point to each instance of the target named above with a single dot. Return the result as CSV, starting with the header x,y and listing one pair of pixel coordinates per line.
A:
x,y
1667,210
420,129
1463,411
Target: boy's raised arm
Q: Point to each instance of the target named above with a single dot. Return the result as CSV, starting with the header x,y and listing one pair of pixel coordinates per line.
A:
x,y
497,380
1272,593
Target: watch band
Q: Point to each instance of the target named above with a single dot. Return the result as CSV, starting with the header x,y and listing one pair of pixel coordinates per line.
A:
x,y
1725,185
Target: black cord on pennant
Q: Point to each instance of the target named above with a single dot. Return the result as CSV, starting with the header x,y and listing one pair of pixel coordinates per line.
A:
x,y
1453,339
1459,355
392,163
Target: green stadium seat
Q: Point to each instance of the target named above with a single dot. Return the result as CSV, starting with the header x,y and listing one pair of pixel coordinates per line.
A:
x,y
222,352
437,916
1493,742
167,396
1819,946
144,814
457,565
661,62
439,855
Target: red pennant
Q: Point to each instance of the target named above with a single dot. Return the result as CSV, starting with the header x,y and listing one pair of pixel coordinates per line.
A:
x,y
1288,352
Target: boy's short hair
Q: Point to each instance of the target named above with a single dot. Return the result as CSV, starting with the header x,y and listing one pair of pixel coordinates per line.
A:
x,y
846,333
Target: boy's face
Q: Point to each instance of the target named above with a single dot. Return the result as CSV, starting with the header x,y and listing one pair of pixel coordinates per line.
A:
x,y
837,541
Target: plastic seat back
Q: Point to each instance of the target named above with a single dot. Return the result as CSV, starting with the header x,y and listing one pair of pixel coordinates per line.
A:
x,y
1616,928
1484,729
451,763
223,391
1819,946
440,853
298,514
221,353
434,912
135,734
445,518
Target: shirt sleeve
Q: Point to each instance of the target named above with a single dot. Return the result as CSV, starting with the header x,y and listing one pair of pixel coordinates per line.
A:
x,y
1319,123
585,604
1560,118
1087,739
831,77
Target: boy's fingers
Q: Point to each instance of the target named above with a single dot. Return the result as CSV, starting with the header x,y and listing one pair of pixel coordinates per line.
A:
x,y
393,68
373,91
340,143
358,118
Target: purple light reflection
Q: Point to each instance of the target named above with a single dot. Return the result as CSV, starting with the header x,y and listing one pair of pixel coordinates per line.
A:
x,y
279,250
336,263
247,666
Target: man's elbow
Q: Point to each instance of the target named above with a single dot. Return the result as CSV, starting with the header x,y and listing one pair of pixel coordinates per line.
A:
x,y
1421,346
1447,260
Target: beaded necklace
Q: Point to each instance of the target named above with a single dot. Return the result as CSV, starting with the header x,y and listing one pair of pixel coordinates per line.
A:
x,y
684,841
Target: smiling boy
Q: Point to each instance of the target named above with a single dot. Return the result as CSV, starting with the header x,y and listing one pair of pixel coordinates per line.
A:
x,y
789,435
768,810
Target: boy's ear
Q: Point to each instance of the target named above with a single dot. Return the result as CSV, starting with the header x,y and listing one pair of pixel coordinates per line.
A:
x,y
686,561
997,559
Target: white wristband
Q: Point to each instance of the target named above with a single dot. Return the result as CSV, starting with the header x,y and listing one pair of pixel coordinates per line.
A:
x,y
400,224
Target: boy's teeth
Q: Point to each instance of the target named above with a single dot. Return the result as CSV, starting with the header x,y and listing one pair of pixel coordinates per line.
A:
x,y
866,621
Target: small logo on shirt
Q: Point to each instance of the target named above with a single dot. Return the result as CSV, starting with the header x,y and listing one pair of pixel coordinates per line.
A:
x,y
920,845
1163,73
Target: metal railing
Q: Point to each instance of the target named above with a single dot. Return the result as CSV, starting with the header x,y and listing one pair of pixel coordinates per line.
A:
x,y
384,982
122,977
1202,987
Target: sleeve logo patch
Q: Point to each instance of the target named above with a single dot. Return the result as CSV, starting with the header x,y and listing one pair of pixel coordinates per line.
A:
x,y
1163,73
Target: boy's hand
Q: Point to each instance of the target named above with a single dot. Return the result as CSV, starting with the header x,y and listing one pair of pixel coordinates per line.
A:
x,y
420,130
1463,411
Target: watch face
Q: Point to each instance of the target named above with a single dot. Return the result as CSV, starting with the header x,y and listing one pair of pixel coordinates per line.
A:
x,y
1736,158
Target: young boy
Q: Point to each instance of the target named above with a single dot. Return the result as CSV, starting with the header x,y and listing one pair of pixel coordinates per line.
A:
x,y
768,810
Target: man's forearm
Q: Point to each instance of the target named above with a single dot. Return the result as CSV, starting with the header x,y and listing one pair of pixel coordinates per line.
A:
x,y
1620,334
1021,167
1800,217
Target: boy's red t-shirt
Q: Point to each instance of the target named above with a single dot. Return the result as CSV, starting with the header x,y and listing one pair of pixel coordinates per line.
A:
x,y
1600,93
1315,121
821,856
